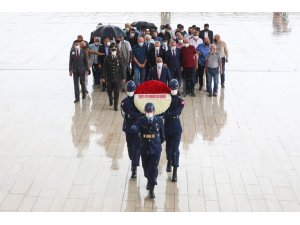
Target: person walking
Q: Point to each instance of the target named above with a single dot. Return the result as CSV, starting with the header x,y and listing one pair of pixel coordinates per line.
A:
x,y
223,51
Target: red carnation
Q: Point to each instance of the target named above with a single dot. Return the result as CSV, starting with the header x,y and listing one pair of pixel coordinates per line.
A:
x,y
153,87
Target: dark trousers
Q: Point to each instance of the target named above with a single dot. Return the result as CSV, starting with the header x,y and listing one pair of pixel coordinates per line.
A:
x,y
113,87
188,80
172,148
96,74
150,164
78,77
176,74
223,71
133,147
201,75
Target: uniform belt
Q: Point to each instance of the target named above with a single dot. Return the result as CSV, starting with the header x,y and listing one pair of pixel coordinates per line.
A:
x,y
173,117
148,135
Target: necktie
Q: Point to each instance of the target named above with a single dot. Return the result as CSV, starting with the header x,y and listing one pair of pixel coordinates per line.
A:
x,y
173,52
158,72
77,52
156,54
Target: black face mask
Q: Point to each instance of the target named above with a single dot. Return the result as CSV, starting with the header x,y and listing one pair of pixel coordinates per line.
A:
x,y
117,41
215,40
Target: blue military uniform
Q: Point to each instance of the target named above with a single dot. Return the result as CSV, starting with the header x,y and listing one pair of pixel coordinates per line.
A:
x,y
173,129
152,136
131,115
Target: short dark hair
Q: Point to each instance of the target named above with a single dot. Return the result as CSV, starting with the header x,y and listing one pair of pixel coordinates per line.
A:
x,y
206,25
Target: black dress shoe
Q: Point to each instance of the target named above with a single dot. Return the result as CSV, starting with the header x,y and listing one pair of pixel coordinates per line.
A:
x,y
215,94
174,175
200,88
133,172
76,100
151,193
83,96
184,94
169,166
148,186
110,103
193,94
116,108
86,91
223,85
209,95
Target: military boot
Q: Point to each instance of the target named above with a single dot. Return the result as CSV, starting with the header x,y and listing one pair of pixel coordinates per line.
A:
x,y
169,166
151,192
174,175
133,172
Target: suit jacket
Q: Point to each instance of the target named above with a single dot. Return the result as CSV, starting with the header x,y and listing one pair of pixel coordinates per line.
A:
x,y
165,75
173,62
151,57
156,128
101,58
171,116
112,69
151,45
210,35
78,64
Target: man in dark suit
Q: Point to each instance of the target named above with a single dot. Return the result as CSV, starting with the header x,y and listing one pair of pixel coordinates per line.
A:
x,y
104,49
207,33
113,76
78,67
173,62
154,53
159,72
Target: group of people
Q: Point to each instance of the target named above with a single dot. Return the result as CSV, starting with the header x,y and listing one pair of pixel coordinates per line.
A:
x,y
175,57
145,132
147,54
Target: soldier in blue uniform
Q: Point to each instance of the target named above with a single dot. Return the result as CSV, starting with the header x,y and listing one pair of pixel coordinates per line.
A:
x,y
131,115
173,129
151,129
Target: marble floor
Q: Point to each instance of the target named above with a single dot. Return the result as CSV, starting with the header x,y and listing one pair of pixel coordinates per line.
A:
x,y
239,151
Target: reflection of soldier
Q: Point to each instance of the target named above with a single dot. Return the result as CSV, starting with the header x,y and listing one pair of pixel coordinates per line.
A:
x,y
151,129
131,115
133,188
173,129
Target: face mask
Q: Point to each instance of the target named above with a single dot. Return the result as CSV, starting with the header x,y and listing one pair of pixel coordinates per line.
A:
x,y
130,94
108,44
114,53
156,48
132,35
117,41
180,41
77,46
164,44
149,115
215,40
141,44
147,42
186,44
173,47
97,43
196,37
159,64
206,44
127,29
174,92
163,31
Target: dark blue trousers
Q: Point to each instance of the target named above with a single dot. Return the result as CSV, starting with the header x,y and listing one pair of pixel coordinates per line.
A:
x,y
172,148
150,163
133,147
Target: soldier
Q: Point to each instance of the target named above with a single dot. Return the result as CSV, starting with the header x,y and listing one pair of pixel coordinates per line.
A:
x,y
151,129
113,76
173,129
131,115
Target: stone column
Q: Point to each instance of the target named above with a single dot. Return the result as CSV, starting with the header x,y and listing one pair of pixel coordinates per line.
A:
x,y
165,17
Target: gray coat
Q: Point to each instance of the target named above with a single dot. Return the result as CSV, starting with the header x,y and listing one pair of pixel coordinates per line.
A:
x,y
78,64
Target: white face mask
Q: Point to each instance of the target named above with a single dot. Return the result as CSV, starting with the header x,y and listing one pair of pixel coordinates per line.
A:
x,y
174,92
159,64
180,41
130,94
108,44
149,115
163,31
77,46
186,44
173,47
196,37
156,48
114,53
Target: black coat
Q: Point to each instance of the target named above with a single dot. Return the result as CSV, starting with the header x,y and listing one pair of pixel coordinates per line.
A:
x,y
78,64
210,35
151,57
112,69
